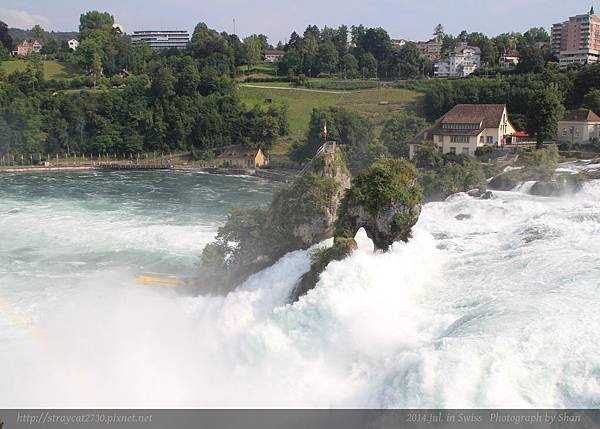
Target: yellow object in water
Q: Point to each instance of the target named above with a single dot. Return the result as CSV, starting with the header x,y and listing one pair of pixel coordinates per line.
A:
x,y
167,280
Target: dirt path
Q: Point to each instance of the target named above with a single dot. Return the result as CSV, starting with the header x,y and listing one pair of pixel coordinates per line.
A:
x,y
322,91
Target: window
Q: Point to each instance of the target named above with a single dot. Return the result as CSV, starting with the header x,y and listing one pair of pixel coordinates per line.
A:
x,y
465,150
489,139
441,139
459,139
481,139
455,126
564,132
576,132
452,150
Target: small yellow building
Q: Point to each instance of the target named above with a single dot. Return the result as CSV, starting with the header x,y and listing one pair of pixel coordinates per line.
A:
x,y
241,157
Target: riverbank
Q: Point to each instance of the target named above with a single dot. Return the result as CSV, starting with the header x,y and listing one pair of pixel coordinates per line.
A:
x,y
279,175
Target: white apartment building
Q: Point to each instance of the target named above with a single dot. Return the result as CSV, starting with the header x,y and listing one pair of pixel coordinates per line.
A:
x,y
577,41
463,61
166,39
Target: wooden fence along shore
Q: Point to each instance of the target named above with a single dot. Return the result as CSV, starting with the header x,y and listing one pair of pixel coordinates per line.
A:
x,y
279,176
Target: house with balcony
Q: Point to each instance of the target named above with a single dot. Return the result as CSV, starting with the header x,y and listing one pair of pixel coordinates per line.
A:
x,y
579,126
432,49
274,56
461,62
466,127
509,59
28,47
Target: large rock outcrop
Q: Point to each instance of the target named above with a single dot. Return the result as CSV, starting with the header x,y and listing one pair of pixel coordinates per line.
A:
x,y
309,206
385,200
302,214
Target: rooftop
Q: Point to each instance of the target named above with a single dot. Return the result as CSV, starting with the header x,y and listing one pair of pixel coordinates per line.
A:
x,y
581,115
239,152
489,115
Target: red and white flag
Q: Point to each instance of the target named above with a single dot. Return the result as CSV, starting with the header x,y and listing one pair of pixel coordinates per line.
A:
x,y
325,131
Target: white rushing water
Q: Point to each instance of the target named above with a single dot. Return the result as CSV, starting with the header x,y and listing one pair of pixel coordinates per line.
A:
x,y
496,310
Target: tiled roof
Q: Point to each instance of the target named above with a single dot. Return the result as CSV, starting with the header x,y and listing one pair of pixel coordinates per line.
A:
x,y
490,115
485,115
581,115
239,152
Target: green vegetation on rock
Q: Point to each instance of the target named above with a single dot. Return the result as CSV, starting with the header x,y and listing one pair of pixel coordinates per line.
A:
x,y
301,214
386,180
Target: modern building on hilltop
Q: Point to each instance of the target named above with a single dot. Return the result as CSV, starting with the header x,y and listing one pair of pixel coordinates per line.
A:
x,y
28,47
468,126
162,39
241,157
432,49
577,41
463,61
274,56
579,126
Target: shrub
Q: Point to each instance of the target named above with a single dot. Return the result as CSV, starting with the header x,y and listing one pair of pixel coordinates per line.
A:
x,y
459,173
483,151
386,180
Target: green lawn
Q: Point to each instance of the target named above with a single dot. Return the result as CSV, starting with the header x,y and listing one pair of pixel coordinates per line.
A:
x,y
52,69
301,103
267,67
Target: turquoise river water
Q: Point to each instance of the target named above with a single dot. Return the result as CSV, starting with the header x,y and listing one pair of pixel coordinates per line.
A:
x,y
498,310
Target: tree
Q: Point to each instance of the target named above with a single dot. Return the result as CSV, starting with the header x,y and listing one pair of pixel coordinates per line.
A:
x,y
310,50
5,38
349,66
410,62
96,67
592,100
399,131
94,20
369,65
535,35
532,61
439,31
544,111
328,58
254,50
340,39
39,33
212,49
51,47
350,130
291,63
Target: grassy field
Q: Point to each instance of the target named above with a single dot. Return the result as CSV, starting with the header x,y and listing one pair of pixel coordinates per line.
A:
x,y
52,69
376,104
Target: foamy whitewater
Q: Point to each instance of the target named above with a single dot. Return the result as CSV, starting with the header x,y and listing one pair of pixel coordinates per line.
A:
x,y
499,310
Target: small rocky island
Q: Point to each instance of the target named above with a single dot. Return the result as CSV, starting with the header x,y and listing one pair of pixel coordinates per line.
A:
x,y
323,202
